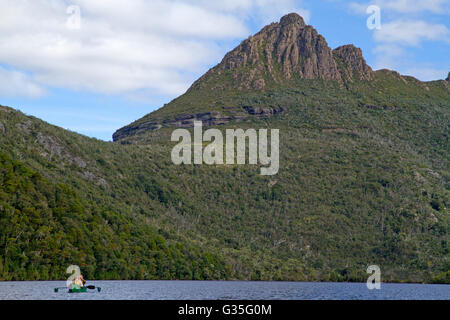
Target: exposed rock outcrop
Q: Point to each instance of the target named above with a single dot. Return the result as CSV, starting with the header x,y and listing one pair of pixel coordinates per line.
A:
x,y
212,118
55,148
25,126
351,63
280,51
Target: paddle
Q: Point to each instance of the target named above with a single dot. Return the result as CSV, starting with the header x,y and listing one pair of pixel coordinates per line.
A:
x,y
89,287
93,288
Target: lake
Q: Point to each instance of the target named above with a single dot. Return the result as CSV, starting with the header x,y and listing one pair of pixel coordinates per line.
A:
x,y
226,290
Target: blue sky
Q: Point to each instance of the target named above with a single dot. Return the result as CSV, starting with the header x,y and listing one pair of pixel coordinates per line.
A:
x,y
95,66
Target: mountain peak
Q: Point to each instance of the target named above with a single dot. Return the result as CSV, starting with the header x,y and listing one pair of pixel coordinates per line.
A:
x,y
287,50
292,18
279,52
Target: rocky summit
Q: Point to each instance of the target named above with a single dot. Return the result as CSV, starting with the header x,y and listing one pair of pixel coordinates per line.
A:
x,y
281,51
289,49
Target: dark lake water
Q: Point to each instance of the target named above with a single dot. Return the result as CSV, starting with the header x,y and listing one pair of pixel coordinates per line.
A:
x,y
242,290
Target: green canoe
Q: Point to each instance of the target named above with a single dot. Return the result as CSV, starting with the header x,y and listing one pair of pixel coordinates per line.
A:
x,y
78,290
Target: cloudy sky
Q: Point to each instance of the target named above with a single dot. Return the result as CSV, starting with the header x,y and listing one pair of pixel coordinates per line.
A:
x,y
92,66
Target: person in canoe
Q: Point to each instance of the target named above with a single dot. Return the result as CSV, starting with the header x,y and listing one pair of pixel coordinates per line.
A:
x,y
78,282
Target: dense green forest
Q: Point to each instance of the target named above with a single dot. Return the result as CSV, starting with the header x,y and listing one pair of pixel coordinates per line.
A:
x,y
46,227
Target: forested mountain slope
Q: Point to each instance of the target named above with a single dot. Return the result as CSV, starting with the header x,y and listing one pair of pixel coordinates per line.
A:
x,y
363,179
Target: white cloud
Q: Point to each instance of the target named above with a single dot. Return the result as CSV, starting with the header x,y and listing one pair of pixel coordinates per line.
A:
x,y
416,6
265,11
14,83
271,10
403,27
395,57
123,46
426,74
395,37
404,6
411,32
388,55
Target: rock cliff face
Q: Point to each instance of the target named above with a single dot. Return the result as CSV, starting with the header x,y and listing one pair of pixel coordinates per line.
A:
x,y
351,63
291,45
212,118
281,52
